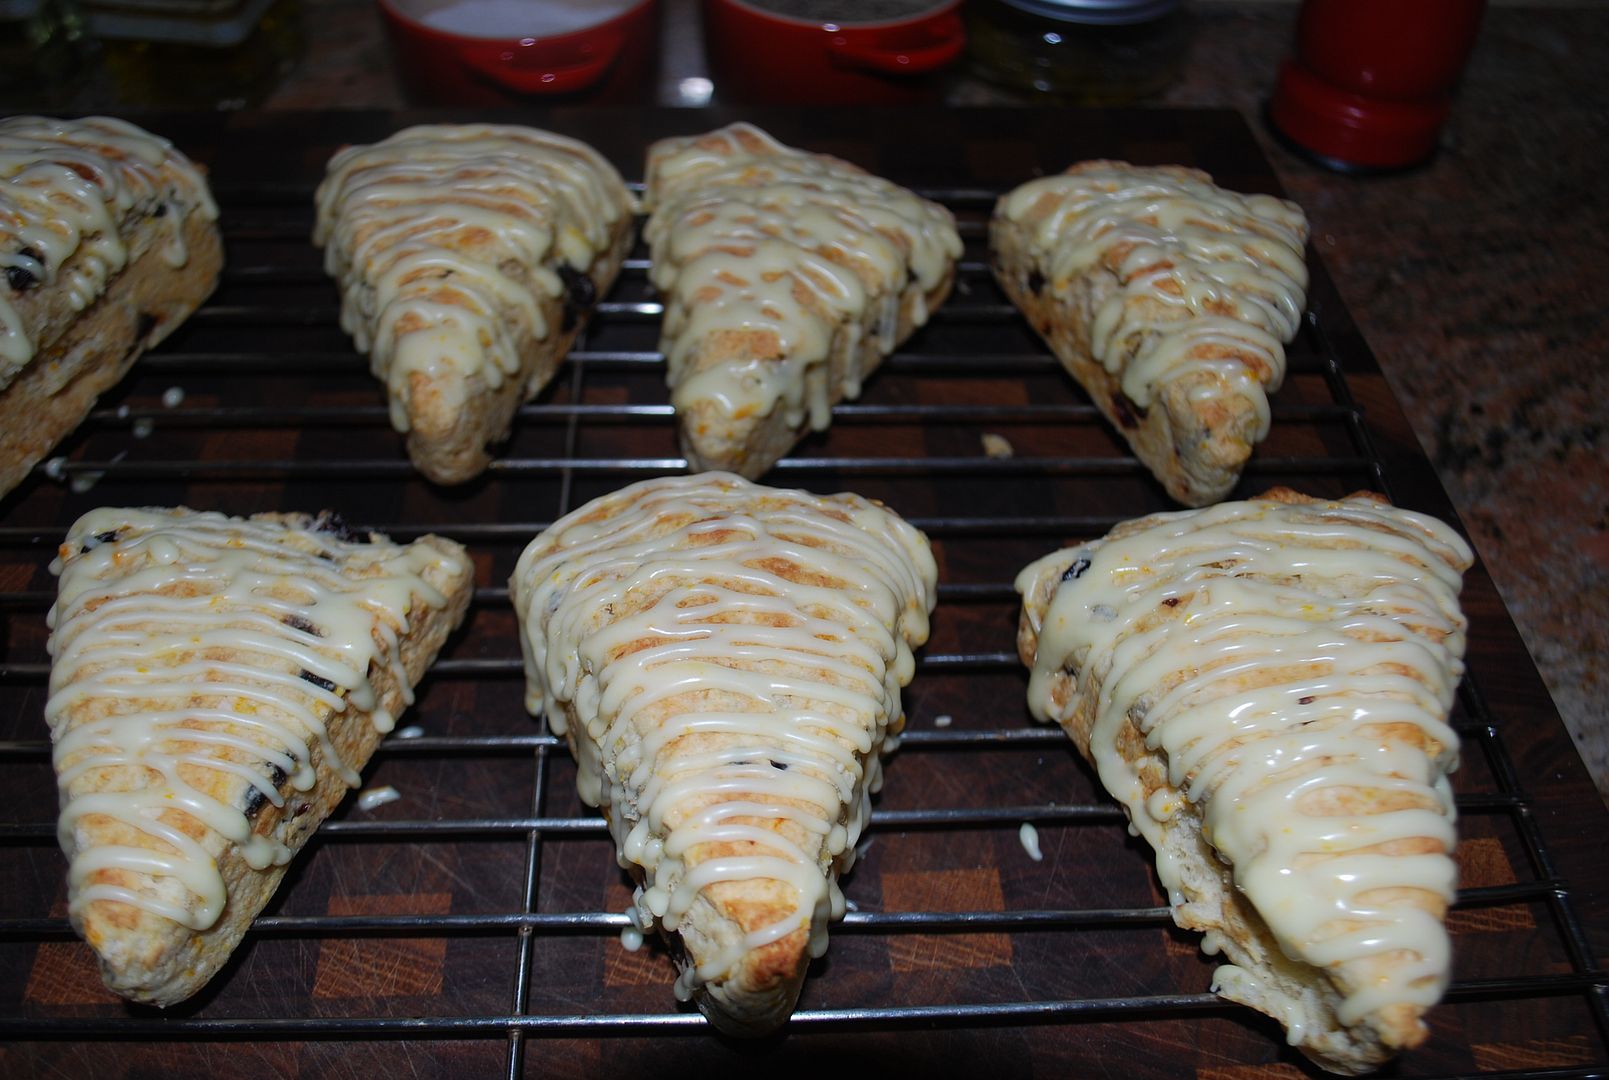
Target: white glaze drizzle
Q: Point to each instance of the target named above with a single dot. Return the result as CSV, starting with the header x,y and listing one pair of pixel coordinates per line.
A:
x,y
440,237
1210,280
736,233
1296,633
139,685
66,188
791,717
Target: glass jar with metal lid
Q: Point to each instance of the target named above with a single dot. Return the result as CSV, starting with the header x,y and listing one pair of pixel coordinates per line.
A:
x,y
1088,52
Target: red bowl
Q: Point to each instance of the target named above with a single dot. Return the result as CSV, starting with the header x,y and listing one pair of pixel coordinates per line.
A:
x,y
760,57
542,54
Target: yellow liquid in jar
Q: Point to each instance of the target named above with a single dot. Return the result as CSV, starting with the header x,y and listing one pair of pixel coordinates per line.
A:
x,y
178,75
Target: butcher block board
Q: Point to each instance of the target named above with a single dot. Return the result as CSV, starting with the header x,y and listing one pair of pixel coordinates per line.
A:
x,y
471,928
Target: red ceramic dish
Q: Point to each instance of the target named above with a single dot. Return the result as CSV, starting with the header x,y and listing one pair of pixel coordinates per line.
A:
x,y
761,57
449,65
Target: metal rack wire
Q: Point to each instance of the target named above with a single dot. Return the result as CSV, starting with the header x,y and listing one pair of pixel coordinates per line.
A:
x,y
603,425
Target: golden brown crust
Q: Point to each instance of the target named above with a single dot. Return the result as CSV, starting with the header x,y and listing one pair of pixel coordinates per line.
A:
x,y
1199,429
763,985
1196,448
724,431
450,442
660,774
761,988
1213,904
469,257
148,958
80,355
751,443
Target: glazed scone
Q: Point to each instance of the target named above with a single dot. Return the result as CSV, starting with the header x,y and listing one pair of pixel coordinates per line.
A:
x,y
469,257
1169,299
216,685
1264,686
787,278
108,241
725,661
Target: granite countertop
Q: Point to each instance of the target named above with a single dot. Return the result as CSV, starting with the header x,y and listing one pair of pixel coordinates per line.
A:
x,y
1481,281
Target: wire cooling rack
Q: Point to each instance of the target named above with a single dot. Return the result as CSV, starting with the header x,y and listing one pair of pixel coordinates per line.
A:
x,y
470,927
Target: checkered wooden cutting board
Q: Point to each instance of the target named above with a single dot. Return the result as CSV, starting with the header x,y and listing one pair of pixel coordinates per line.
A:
x,y
407,937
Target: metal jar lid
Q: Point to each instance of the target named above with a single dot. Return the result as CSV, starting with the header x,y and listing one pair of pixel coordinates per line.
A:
x,y
1097,12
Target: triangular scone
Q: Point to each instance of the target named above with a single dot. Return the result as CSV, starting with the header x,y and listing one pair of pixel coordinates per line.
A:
x,y
469,257
787,277
1168,298
1264,686
108,241
216,685
725,661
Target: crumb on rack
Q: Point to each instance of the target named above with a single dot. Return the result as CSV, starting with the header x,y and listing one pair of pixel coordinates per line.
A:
x,y
996,446
376,797
81,482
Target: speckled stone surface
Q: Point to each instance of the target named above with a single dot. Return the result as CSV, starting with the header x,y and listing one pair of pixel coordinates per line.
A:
x,y
1481,281
1482,284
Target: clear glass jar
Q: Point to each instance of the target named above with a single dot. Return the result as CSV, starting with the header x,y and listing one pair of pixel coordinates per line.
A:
x,y
1084,52
42,48
171,59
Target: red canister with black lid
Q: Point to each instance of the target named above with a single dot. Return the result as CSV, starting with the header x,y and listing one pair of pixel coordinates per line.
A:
x,y
1372,81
